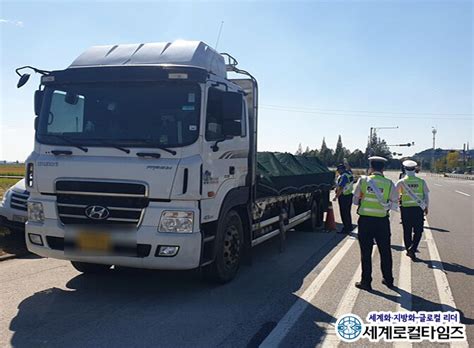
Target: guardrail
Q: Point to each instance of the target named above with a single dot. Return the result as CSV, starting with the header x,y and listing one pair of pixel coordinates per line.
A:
x,y
459,176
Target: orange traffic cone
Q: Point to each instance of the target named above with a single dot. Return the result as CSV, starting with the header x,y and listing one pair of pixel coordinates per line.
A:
x,y
330,224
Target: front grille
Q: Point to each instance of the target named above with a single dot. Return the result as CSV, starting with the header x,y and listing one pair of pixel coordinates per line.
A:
x,y
124,202
18,200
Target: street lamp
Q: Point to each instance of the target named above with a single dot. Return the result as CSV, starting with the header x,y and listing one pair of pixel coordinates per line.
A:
x,y
434,131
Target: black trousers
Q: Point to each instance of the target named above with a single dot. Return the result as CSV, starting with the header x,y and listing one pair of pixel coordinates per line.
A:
x,y
371,228
345,205
412,221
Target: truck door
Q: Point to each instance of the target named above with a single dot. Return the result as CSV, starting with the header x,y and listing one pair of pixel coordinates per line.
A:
x,y
226,148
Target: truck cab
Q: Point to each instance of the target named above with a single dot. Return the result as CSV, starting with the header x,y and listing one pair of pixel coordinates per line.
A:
x,y
144,157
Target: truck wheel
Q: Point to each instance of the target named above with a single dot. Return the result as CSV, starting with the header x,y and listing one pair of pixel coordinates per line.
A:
x,y
90,268
229,247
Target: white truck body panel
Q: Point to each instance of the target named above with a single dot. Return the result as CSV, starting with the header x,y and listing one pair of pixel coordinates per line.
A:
x,y
185,53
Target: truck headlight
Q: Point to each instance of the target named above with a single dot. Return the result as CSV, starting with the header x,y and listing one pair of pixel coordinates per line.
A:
x,y
35,212
176,221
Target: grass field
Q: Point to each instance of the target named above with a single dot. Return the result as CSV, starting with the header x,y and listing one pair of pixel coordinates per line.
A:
x,y
12,169
6,183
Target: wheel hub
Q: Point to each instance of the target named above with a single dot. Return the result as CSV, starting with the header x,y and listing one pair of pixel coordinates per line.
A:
x,y
231,246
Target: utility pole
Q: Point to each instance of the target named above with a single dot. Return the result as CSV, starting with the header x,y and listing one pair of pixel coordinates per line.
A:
x,y
464,157
434,131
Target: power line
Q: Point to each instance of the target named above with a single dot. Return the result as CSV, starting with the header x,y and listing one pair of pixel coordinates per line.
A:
x,y
286,109
368,112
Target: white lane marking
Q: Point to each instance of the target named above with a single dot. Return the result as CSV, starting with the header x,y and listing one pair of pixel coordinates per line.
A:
x,y
444,290
438,185
463,193
345,307
290,318
404,282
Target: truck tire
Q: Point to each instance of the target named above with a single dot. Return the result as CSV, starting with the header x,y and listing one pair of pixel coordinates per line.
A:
x,y
229,248
90,268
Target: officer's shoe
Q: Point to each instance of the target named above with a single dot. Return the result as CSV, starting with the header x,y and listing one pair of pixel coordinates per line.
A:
x,y
363,286
388,284
411,254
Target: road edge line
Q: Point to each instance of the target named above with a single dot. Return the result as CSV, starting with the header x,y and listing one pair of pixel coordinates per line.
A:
x,y
330,339
442,284
285,324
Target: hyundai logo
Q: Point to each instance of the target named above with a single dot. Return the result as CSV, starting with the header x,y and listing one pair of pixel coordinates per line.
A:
x,y
97,212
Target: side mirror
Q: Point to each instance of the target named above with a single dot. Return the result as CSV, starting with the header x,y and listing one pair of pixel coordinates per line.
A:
x,y
38,101
36,123
215,147
232,114
23,79
232,128
232,106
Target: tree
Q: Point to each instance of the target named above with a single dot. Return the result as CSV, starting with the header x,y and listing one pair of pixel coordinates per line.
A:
x,y
326,154
356,159
452,160
307,150
440,165
377,147
299,151
339,153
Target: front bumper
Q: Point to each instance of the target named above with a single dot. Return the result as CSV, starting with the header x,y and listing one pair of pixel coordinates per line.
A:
x,y
188,256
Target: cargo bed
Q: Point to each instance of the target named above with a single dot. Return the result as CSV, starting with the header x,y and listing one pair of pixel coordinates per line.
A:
x,y
283,174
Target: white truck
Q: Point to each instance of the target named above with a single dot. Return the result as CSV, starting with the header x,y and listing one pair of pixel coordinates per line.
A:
x,y
146,156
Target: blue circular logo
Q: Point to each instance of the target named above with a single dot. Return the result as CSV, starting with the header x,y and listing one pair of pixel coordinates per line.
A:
x,y
349,327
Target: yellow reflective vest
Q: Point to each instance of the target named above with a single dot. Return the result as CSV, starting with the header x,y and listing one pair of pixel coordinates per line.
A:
x,y
416,185
349,187
369,203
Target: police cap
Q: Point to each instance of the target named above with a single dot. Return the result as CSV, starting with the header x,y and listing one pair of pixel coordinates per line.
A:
x,y
409,164
377,159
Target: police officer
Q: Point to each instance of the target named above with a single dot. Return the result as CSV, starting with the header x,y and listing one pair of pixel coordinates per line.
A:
x,y
345,183
375,195
414,197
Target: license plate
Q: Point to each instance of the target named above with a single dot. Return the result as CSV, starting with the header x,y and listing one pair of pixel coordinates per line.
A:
x,y
94,241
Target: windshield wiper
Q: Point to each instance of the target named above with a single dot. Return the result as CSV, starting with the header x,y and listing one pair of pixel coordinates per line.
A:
x,y
106,143
148,141
69,141
173,152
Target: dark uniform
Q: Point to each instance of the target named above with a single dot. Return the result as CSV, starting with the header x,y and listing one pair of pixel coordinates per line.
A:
x,y
414,198
345,183
375,195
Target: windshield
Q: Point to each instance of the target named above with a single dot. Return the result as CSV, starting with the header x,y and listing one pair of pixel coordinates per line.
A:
x,y
127,114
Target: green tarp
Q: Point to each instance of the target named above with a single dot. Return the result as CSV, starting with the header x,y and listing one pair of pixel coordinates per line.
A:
x,y
284,173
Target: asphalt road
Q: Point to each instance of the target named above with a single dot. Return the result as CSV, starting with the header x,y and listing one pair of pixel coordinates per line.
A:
x,y
291,299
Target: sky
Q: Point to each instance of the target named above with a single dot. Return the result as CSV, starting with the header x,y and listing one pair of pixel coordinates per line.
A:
x,y
324,68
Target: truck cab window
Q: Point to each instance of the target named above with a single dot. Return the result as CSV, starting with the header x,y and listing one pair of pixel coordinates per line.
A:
x,y
131,114
220,123
65,114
